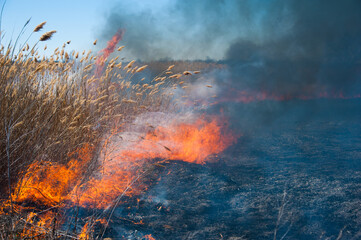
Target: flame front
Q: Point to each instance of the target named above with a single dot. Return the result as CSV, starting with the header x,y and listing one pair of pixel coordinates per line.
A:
x,y
120,161
190,142
54,185
254,96
49,183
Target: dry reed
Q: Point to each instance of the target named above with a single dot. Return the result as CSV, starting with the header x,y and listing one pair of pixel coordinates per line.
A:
x,y
47,36
51,106
39,27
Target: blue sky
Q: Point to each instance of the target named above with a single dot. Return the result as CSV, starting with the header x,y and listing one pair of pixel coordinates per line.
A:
x,y
75,20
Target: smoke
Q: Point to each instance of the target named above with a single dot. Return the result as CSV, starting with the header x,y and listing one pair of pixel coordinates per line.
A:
x,y
282,46
271,50
200,29
183,29
320,52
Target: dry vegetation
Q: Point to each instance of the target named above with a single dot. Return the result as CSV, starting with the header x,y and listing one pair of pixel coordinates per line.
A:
x,y
181,66
51,106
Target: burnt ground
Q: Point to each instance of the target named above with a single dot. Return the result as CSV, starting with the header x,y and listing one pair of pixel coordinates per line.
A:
x,y
294,178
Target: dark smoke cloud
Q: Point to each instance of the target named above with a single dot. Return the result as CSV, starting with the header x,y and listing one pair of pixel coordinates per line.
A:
x,y
322,50
187,29
282,46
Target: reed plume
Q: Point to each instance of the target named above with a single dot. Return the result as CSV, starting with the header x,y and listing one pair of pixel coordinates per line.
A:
x,y
141,68
39,27
47,36
52,105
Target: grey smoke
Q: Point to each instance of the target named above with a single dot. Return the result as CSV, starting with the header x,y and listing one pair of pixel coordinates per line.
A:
x,y
279,46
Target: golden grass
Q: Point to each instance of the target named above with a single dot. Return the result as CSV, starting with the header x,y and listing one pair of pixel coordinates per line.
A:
x,y
180,66
39,27
51,106
46,36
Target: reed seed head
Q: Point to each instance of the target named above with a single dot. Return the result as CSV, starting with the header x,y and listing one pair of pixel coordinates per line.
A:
x,y
39,27
141,68
47,36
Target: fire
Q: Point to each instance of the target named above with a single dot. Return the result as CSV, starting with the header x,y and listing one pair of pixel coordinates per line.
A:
x,y
50,183
98,178
103,190
254,96
231,95
84,235
149,237
39,225
190,142
121,162
111,45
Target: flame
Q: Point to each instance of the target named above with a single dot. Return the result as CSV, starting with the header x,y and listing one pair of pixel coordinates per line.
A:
x,y
56,187
121,162
149,237
37,226
84,234
88,228
50,183
249,96
190,142
245,96
111,45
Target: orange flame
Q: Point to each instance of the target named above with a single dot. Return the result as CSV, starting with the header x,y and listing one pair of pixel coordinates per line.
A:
x,y
84,235
52,184
149,237
190,142
112,43
39,225
249,96
254,96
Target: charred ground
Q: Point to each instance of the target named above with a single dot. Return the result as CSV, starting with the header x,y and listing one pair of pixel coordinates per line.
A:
x,y
299,180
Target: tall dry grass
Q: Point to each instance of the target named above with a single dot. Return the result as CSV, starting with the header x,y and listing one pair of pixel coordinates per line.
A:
x,y
51,106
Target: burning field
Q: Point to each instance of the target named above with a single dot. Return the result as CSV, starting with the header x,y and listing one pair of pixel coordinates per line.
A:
x,y
109,130
259,142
